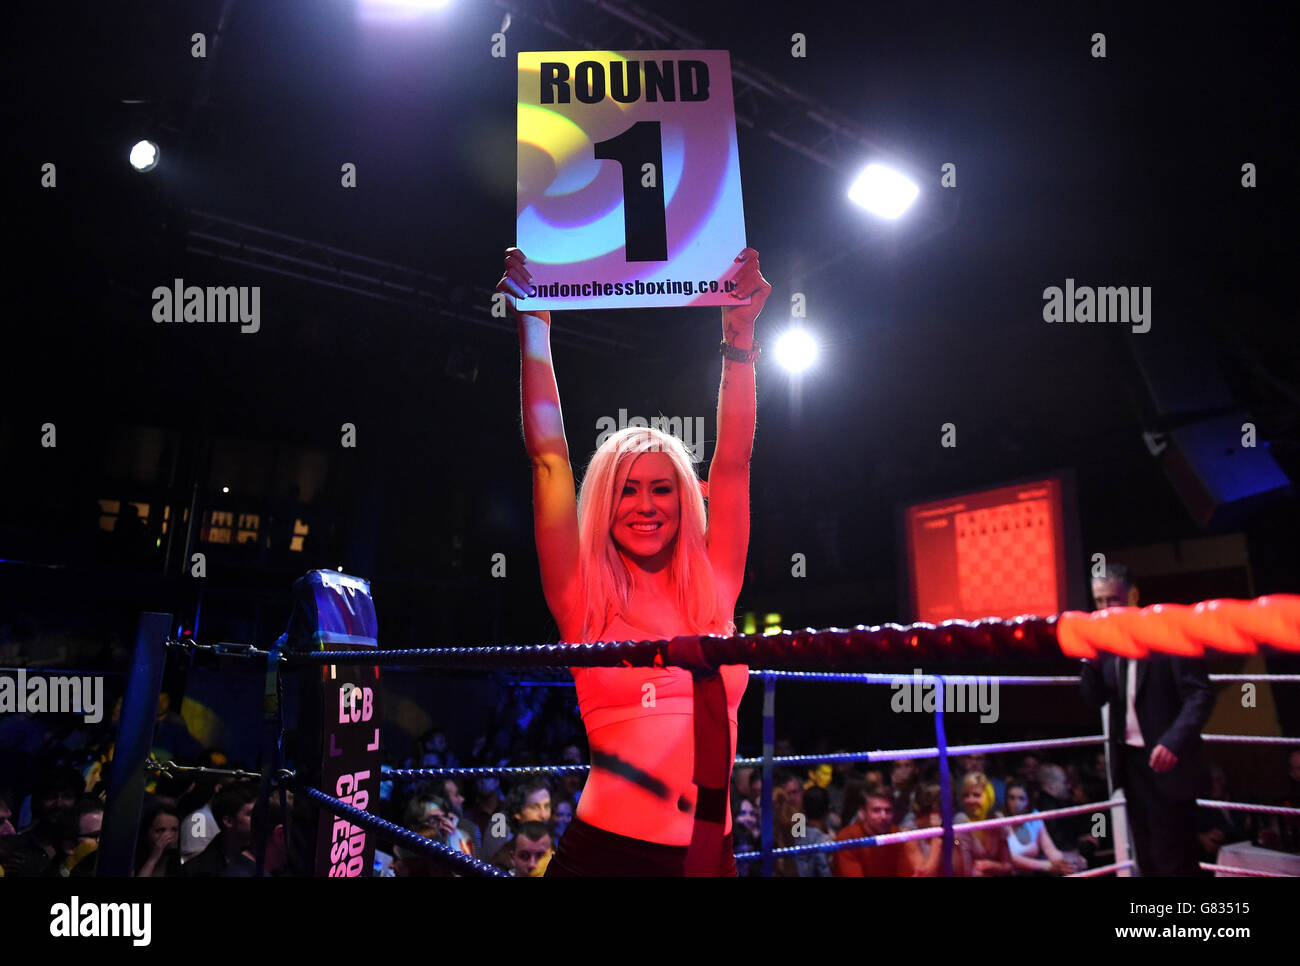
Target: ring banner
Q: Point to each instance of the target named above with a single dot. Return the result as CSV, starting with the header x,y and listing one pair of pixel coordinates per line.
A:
x,y
338,715
628,178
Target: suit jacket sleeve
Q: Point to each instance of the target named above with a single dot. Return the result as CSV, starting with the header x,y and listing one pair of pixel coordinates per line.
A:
x,y
1093,682
1197,696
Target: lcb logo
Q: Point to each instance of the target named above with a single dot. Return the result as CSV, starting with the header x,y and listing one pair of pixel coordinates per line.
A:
x,y
355,704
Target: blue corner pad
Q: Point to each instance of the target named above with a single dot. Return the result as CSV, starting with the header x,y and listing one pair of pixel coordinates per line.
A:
x,y
330,608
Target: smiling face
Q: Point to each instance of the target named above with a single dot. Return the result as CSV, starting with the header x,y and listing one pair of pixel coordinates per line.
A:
x,y
647,513
972,801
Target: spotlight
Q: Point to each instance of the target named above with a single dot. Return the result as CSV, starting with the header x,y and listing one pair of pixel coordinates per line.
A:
x,y
883,192
144,156
225,489
796,350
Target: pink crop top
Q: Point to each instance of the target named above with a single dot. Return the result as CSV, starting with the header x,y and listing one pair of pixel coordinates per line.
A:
x,y
610,694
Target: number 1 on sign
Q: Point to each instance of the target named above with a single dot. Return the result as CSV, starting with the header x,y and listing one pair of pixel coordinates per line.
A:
x,y
645,233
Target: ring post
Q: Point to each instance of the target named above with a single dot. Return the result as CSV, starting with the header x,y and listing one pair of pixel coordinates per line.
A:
x,y
769,747
134,739
337,712
945,777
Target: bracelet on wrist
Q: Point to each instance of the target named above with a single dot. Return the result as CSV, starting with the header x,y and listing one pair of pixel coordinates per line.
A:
x,y
747,356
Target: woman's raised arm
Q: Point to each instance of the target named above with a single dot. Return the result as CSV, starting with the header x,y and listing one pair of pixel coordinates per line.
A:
x,y
737,406
555,505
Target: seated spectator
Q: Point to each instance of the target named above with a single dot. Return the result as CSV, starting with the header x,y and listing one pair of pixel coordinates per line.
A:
x,y
157,850
82,857
431,816
925,856
784,811
6,814
875,817
983,852
409,863
531,849
1032,850
789,783
1219,826
816,803
198,828
42,848
1283,831
230,854
528,801
819,776
742,778
563,816
1056,793
903,779
745,833
487,805
473,835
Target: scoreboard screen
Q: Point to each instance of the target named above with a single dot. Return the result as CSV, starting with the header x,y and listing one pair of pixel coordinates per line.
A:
x,y
990,553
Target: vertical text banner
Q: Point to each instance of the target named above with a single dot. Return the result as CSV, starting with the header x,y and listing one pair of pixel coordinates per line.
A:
x,y
628,178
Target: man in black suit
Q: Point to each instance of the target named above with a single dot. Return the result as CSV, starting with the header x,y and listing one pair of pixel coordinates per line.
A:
x,y
1156,752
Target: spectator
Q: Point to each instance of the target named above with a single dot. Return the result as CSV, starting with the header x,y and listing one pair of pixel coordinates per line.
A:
x,y
902,786
875,817
925,856
528,801
816,803
532,848
82,854
570,786
563,816
819,777
1055,793
431,816
742,781
6,813
1219,826
1027,772
488,804
792,787
982,852
784,811
157,850
470,839
42,847
410,863
1032,849
745,833
1283,831
230,854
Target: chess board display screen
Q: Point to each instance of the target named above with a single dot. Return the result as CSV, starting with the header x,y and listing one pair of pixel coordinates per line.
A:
x,y
992,553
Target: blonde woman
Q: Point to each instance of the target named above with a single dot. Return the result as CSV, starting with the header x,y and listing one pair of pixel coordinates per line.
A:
x,y
983,852
635,556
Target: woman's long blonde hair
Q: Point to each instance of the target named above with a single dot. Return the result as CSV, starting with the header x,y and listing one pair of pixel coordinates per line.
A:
x,y
606,581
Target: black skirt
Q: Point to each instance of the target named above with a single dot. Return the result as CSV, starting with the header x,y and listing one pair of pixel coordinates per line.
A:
x,y
585,850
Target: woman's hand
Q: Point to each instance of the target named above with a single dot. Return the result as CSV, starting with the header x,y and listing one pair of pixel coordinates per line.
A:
x,y
517,283
738,320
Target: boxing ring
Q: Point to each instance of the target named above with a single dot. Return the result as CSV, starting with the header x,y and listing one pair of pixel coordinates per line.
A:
x,y
326,670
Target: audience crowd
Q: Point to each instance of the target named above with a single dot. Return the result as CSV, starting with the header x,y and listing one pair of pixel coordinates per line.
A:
x,y
53,784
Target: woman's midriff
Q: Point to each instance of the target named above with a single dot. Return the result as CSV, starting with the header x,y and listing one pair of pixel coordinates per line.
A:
x,y
662,748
